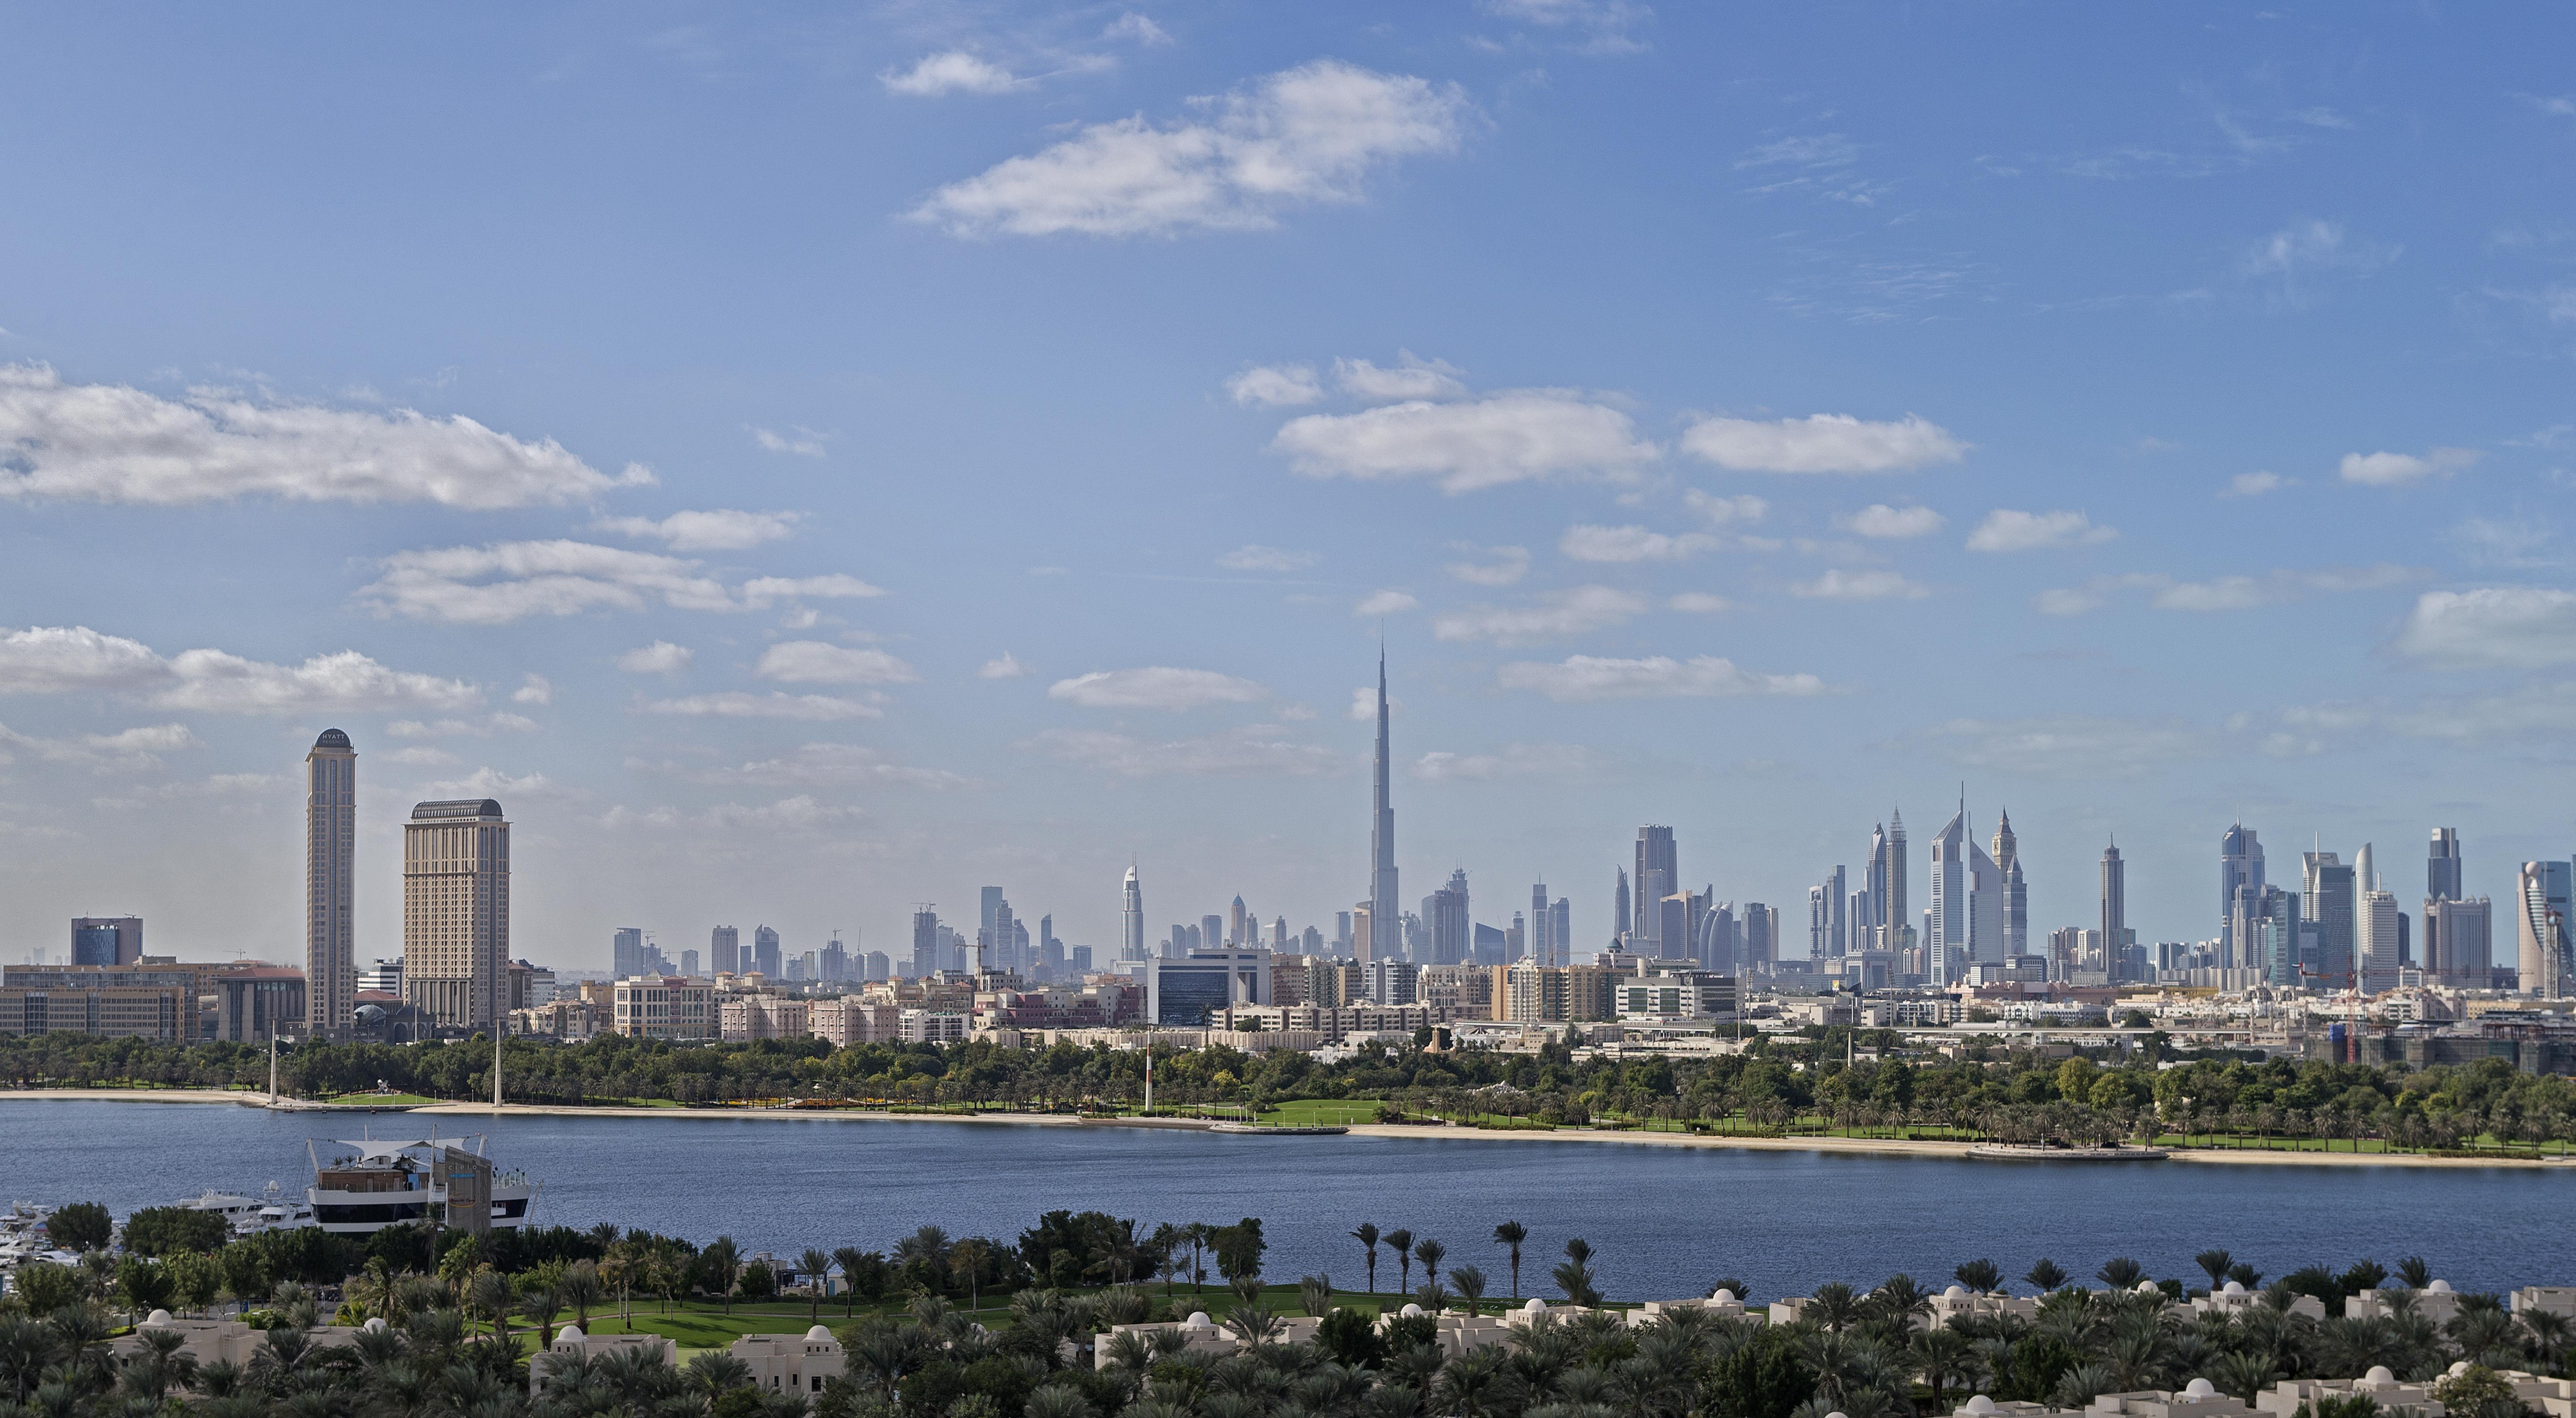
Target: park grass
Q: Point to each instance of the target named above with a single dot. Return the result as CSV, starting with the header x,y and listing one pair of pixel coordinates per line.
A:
x,y
1321,1112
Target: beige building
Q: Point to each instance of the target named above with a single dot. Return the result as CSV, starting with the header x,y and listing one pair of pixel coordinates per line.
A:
x,y
665,1007
330,858
456,912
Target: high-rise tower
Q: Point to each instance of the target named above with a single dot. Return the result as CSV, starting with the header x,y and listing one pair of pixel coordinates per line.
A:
x,y
2115,908
1386,908
456,912
2016,892
1131,923
1893,907
2240,868
2444,873
330,852
1658,876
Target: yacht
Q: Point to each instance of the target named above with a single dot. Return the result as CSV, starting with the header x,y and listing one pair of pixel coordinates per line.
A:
x,y
248,1216
372,1184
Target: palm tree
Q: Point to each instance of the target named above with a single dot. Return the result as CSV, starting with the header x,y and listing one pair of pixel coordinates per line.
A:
x,y
2120,1273
1574,1275
1315,1293
2215,1263
2415,1272
488,1296
967,1259
2047,1276
1940,1355
1981,1276
1469,1282
1366,1235
815,1263
848,1258
726,1258
1429,1252
1835,1306
1401,1242
581,1288
1512,1233
542,1305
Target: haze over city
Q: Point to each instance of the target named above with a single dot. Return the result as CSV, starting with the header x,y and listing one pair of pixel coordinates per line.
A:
x,y
809,464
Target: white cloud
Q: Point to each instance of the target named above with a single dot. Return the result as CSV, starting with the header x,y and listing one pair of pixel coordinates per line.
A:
x,y
1586,678
2224,593
113,443
2256,484
481,728
2494,627
1584,542
1822,443
1001,667
1553,614
1155,687
2315,246
1698,603
706,531
2398,469
1275,386
126,751
2008,530
816,662
818,765
1519,760
806,444
1139,28
1840,585
1411,378
1722,511
1381,603
2073,746
1305,135
1261,750
493,783
65,659
533,688
507,581
799,814
419,756
1261,558
1508,565
1513,436
659,658
952,72
735,704
1890,523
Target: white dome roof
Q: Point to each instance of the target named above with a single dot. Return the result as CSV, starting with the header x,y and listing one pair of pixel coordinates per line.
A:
x,y
1979,1404
1536,1306
818,1335
376,1325
2378,1377
570,1334
1409,1311
2438,1287
1955,1292
2148,1287
2200,1388
2233,1288
1723,1296
157,1317
1198,1320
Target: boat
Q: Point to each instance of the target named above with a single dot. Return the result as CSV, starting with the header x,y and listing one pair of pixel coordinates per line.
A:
x,y
378,1183
1282,1129
248,1216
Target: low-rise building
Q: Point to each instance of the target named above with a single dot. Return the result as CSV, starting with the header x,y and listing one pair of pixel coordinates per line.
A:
x,y
664,1007
926,1026
786,1363
572,1348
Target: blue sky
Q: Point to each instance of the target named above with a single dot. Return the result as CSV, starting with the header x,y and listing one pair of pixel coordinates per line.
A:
x,y
809,462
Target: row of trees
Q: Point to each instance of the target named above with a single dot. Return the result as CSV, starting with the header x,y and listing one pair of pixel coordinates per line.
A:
x,y
1774,1085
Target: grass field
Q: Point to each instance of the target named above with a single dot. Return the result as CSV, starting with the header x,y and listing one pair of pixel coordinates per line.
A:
x,y
1321,1112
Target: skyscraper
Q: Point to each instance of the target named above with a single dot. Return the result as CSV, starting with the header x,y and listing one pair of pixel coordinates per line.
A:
x,y
1658,876
765,954
626,952
1238,924
2459,941
2016,892
1386,908
2445,875
2326,899
1560,930
1838,925
1131,920
992,902
1540,943
2543,967
1895,903
1452,938
330,862
1621,927
2377,937
1868,923
456,912
1967,905
925,941
2115,905
724,951
2240,868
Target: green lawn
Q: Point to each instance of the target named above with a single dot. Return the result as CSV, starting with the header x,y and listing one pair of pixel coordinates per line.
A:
x,y
1321,1112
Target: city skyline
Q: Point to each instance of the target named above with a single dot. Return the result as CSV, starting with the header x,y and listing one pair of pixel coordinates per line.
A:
x,y
1846,425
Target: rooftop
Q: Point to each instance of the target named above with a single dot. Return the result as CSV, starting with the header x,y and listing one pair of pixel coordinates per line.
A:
x,y
461,807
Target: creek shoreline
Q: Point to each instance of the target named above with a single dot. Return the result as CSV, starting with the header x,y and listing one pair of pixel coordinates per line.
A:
x,y
1855,1146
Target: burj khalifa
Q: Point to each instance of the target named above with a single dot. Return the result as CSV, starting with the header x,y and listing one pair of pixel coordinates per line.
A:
x,y
1386,912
